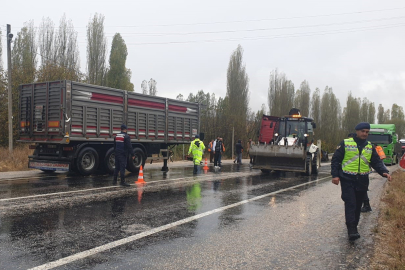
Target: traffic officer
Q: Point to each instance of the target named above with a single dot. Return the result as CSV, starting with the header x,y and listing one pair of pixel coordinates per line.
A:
x,y
123,148
351,166
196,148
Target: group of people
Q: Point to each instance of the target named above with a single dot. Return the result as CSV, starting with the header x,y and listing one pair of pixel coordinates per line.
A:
x,y
351,165
216,148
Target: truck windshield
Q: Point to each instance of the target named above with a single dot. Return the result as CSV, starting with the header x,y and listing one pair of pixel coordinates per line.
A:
x,y
379,138
292,129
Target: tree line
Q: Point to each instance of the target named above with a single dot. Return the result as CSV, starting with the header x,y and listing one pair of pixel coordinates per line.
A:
x,y
51,53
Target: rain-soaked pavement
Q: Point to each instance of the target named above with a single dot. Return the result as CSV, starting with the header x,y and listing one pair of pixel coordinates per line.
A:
x,y
236,218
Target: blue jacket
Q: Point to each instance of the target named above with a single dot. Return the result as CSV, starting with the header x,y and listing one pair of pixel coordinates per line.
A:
x,y
122,144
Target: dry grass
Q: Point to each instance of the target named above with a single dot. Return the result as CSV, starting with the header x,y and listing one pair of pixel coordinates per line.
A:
x,y
18,161
390,243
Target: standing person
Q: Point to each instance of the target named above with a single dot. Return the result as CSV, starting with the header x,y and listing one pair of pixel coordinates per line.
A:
x,y
222,151
217,151
211,150
250,143
196,148
122,147
366,202
239,150
351,166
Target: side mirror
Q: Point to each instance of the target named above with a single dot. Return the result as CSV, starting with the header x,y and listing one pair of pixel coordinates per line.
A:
x,y
271,125
201,136
313,124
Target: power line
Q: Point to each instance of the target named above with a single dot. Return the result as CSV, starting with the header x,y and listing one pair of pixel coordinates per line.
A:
x,y
339,31
267,29
244,21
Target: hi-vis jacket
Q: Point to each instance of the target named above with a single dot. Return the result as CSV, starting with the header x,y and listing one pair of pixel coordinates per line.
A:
x,y
341,157
355,162
196,148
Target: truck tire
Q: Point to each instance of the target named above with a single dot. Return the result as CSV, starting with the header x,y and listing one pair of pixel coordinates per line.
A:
x,y
315,164
308,165
133,165
109,161
87,161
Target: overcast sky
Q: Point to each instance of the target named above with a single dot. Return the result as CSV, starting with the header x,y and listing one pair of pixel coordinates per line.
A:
x,y
356,46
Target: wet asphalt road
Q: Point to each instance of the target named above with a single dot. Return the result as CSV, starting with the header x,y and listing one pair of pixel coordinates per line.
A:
x,y
236,218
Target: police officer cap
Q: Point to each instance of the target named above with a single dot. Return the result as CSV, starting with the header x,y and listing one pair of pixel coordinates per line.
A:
x,y
197,136
362,125
123,127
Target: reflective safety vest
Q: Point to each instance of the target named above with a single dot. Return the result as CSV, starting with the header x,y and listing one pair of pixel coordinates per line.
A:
x,y
380,152
354,162
196,148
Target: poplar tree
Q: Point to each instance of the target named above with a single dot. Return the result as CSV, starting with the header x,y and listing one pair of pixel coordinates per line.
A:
x,y
237,95
118,75
96,51
330,131
302,98
380,114
351,115
316,107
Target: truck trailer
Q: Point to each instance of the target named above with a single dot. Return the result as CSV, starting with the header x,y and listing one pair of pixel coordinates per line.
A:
x,y
286,144
71,125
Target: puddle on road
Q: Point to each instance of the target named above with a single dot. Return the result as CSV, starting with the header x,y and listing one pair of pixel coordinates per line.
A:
x,y
69,230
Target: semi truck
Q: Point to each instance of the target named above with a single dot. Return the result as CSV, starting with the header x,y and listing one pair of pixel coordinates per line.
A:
x,y
385,136
71,125
287,144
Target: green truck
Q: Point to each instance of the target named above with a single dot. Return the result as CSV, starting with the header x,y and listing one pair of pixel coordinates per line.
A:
x,y
384,135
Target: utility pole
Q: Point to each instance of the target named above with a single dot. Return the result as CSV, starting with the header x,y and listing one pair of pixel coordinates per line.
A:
x,y
10,99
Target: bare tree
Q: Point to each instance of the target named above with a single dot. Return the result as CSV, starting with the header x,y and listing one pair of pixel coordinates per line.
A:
x,y
96,51
46,42
67,50
144,87
281,94
152,87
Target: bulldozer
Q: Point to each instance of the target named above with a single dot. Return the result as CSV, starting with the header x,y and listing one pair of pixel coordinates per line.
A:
x,y
287,144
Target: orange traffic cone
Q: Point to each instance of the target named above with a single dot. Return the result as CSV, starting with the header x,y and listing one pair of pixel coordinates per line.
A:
x,y
206,166
140,176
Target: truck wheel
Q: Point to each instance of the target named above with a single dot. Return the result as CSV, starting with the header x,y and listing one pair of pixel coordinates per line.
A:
x,y
315,164
109,161
308,165
87,161
133,165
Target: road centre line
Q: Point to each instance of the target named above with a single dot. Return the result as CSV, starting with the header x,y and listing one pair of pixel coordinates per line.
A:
x,y
106,247
118,187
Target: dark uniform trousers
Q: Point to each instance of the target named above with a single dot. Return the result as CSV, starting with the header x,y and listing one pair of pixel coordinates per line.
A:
x,y
353,199
120,164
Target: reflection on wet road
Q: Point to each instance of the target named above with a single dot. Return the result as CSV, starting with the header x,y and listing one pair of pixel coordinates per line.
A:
x,y
176,211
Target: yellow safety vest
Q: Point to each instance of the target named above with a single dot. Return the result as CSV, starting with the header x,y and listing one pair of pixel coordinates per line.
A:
x,y
197,151
354,163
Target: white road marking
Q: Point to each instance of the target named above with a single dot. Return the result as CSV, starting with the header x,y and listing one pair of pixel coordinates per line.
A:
x,y
106,247
202,177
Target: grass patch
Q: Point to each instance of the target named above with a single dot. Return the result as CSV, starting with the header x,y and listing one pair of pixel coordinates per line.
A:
x,y
390,241
18,161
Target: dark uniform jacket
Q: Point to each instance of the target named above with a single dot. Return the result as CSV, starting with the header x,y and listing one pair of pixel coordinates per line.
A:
x,y
360,181
238,148
122,144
